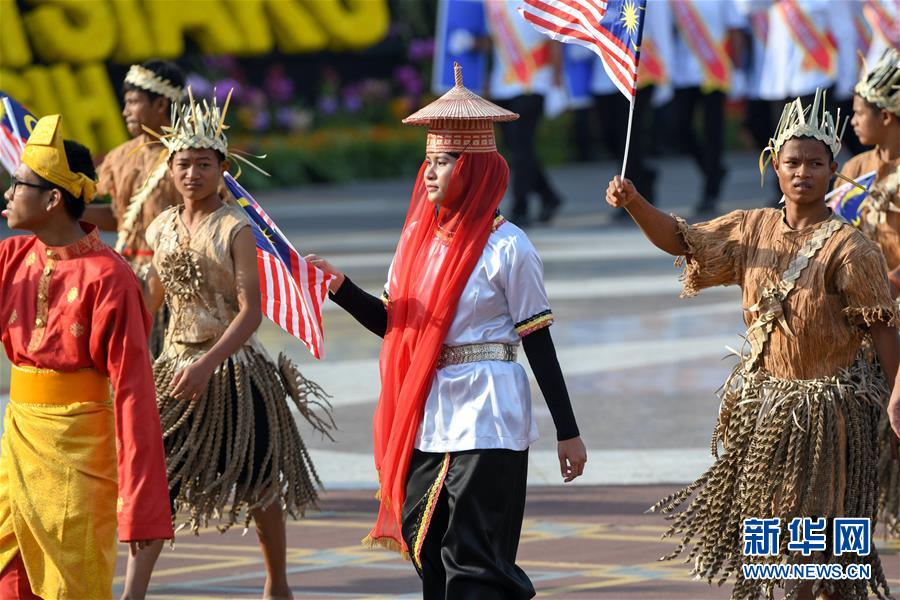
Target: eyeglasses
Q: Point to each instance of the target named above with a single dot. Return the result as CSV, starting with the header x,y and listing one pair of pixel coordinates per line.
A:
x,y
15,181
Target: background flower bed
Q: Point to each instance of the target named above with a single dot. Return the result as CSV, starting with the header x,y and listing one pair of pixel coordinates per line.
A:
x,y
339,154
333,155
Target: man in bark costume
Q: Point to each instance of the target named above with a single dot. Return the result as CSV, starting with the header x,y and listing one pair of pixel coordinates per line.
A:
x,y
135,175
876,122
796,434
454,419
233,450
82,446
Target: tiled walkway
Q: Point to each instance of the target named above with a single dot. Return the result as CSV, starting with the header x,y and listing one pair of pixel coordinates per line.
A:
x,y
579,542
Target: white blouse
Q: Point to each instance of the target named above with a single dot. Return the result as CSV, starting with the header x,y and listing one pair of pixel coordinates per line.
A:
x,y
718,17
487,404
788,74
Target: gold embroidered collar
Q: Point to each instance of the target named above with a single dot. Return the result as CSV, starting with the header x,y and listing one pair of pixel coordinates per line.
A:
x,y
89,243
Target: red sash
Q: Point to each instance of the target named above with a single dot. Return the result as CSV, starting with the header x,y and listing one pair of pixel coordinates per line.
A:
x,y
863,33
522,62
759,23
709,52
819,49
651,69
882,23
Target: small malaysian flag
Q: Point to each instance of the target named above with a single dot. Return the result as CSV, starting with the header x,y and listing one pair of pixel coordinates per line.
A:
x,y
293,291
16,124
849,199
610,28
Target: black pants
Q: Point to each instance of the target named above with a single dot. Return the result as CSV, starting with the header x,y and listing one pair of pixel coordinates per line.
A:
x,y
708,154
462,523
519,140
759,122
612,114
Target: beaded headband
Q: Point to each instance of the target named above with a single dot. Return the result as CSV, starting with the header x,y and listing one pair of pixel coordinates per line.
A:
x,y
146,79
881,85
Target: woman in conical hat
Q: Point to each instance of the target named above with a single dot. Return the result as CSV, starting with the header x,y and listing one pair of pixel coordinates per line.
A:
x,y
233,451
454,419
796,435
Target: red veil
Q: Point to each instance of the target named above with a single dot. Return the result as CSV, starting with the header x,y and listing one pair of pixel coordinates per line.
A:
x,y
435,257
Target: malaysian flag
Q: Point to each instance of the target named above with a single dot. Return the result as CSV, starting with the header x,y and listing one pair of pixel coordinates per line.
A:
x,y
293,290
610,28
849,199
16,124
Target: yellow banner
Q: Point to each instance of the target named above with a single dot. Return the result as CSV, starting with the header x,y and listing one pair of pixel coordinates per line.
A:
x,y
73,39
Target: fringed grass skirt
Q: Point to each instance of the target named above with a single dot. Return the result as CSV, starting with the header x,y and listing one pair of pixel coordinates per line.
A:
x,y
237,448
789,448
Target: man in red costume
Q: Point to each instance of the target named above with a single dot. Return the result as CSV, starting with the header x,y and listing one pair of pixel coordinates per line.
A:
x,y
74,462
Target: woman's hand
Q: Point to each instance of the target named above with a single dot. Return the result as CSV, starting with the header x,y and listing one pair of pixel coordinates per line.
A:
x,y
621,192
190,382
572,456
323,265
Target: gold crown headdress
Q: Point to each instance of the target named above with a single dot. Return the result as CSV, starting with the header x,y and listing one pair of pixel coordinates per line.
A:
x,y
881,85
146,79
813,122
460,120
45,154
197,124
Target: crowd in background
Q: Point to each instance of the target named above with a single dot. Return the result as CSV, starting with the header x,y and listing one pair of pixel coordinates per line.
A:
x,y
700,59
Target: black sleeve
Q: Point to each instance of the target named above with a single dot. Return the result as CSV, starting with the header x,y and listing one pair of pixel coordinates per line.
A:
x,y
365,308
542,357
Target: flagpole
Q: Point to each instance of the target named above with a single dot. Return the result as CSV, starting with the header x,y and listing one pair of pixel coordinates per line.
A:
x,y
628,135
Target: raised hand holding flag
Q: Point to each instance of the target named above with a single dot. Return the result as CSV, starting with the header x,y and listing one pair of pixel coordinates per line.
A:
x,y
293,291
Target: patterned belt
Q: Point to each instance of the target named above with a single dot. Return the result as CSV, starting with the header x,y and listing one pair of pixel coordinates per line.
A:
x,y
468,353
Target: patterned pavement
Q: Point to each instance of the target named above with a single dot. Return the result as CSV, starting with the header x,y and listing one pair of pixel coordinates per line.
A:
x,y
578,543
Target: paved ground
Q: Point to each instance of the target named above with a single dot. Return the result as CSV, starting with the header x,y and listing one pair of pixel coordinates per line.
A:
x,y
642,367
578,543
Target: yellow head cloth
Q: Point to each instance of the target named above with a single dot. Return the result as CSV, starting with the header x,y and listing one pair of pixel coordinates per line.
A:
x,y
45,154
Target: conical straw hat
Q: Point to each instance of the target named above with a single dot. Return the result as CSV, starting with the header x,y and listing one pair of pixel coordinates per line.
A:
x,y
460,103
460,120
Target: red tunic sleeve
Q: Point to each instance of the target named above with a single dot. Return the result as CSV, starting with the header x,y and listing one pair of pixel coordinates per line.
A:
x,y
119,335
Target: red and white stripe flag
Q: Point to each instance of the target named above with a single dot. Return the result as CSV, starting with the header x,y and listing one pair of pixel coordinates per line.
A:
x,y
610,28
16,124
293,291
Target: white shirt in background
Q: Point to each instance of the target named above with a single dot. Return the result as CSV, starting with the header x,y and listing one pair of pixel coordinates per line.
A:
x,y
785,75
504,84
719,16
879,43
